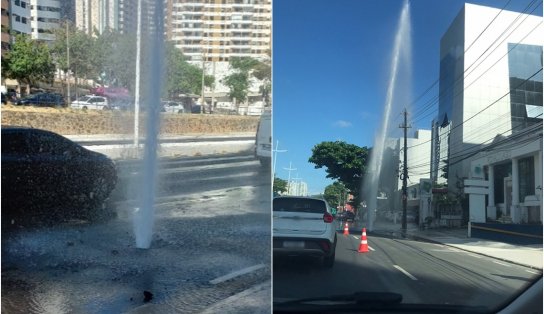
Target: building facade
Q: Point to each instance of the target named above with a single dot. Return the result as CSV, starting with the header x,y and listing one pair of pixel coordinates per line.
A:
x,y
6,26
297,188
216,30
490,84
487,138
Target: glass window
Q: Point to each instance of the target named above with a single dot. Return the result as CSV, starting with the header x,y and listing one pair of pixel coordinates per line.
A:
x,y
526,177
299,205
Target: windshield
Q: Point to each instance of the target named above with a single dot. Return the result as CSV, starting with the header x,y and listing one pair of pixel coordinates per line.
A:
x,y
394,117
84,98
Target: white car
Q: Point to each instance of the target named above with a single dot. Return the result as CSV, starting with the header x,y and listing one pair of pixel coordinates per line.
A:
x,y
172,107
91,102
303,226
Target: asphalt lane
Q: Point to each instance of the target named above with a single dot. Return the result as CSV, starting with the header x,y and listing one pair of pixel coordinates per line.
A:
x,y
421,272
206,207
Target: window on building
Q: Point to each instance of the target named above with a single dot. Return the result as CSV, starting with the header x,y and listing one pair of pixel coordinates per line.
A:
x,y
526,177
524,62
17,2
23,4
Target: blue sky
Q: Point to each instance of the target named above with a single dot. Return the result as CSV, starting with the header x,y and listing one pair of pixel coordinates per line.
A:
x,y
331,61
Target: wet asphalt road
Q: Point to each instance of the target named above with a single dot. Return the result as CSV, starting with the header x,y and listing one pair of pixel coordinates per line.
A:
x,y
421,272
212,218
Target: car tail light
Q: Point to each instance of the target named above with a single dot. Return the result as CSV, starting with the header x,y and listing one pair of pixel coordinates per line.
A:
x,y
325,246
328,218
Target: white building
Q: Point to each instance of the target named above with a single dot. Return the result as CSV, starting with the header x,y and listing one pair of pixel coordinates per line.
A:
x,y
297,188
491,93
38,18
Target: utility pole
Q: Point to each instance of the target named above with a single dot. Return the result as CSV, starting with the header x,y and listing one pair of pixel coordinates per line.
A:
x,y
405,126
289,177
276,151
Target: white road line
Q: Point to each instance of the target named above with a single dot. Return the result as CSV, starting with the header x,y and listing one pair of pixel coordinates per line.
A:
x,y
405,272
503,264
473,255
356,237
532,272
237,273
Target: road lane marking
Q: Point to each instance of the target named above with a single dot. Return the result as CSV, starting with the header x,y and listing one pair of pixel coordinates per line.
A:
x,y
357,238
532,272
473,255
405,272
503,264
237,273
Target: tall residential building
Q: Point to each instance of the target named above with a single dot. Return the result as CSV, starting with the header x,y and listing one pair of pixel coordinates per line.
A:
x,y
490,85
97,15
220,29
38,18
6,26
297,188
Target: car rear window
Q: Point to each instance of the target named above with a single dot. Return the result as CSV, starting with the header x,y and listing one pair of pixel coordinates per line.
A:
x,y
299,205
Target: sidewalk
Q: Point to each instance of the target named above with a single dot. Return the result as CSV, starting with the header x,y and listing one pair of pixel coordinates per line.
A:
x,y
253,300
525,255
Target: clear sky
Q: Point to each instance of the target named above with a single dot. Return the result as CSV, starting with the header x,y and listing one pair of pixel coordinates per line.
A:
x,y
331,61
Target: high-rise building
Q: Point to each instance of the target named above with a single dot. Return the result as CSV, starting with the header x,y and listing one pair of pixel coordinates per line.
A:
x,y
38,18
220,29
297,188
97,15
6,26
490,85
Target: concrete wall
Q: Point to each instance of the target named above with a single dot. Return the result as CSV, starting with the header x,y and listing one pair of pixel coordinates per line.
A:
x,y
78,122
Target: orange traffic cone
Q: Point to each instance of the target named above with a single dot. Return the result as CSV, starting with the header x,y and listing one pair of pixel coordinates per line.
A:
x,y
346,230
363,247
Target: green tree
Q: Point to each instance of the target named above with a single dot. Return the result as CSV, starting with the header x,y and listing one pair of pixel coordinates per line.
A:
x,y
343,162
181,76
85,56
335,194
279,186
263,72
29,61
238,82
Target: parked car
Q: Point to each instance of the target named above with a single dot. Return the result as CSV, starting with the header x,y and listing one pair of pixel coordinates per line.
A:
x,y
45,174
42,100
263,139
302,226
172,107
123,105
91,102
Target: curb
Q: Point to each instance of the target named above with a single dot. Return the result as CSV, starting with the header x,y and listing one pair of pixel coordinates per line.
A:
x,y
479,253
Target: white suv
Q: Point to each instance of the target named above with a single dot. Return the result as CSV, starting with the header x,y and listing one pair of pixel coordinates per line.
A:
x,y
303,226
91,102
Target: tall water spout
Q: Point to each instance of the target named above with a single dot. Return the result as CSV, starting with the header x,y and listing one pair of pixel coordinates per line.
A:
x,y
144,216
397,97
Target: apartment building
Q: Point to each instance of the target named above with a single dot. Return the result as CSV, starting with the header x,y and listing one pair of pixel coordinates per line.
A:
x,y
216,30
6,26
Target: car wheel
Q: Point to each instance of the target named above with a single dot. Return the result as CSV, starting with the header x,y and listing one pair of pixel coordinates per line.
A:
x,y
180,111
328,261
84,108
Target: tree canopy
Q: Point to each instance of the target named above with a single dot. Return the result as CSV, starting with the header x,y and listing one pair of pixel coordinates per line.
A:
x,y
28,61
279,186
335,194
343,162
